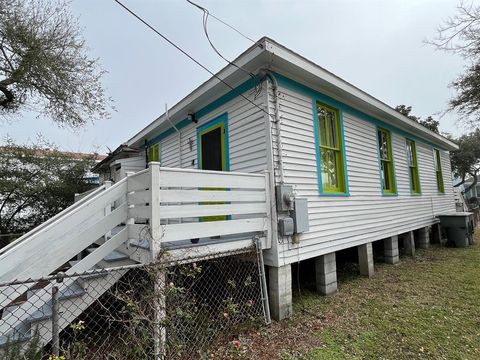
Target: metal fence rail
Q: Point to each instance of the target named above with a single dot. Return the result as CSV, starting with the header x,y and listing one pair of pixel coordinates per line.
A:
x,y
187,310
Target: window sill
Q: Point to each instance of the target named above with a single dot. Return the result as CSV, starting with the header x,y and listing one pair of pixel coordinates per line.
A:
x,y
333,194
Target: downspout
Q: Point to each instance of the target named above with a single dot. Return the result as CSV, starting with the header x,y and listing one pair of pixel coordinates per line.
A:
x,y
278,124
179,137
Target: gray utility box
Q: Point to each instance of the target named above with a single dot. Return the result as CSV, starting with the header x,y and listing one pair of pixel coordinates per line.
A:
x,y
300,215
459,227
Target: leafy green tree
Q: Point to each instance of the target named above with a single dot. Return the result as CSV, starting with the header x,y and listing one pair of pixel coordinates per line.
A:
x,y
466,160
460,34
37,182
430,123
44,64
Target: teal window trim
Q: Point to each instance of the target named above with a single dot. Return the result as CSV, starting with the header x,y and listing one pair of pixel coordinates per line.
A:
x,y
412,192
395,190
344,108
222,119
290,84
346,192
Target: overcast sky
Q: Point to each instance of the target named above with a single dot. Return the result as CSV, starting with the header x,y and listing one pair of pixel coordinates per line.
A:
x,y
375,45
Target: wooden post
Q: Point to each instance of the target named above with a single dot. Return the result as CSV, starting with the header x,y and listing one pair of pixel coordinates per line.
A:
x,y
154,219
108,208
155,247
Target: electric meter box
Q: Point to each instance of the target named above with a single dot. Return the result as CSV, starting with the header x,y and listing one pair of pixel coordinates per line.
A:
x,y
300,215
286,226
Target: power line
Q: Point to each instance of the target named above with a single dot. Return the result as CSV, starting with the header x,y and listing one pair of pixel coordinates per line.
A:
x,y
224,23
206,14
187,54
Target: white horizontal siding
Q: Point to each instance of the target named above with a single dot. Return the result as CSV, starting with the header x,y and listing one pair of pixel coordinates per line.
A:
x,y
366,215
246,136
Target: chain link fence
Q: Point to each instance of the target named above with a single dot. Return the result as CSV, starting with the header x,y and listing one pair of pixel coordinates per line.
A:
x,y
195,309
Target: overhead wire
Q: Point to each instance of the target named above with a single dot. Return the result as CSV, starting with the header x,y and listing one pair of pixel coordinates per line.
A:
x,y
225,23
139,18
206,14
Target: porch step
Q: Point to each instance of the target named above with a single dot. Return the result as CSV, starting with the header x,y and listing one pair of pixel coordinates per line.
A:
x,y
75,290
24,331
20,334
142,243
114,259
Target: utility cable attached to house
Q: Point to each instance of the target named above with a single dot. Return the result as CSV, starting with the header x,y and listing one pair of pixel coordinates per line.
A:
x,y
224,23
139,18
206,14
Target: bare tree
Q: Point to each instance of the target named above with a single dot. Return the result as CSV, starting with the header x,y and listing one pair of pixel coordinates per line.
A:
x,y
460,34
44,64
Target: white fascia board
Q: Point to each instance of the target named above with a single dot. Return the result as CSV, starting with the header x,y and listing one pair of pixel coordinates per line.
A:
x,y
249,60
390,115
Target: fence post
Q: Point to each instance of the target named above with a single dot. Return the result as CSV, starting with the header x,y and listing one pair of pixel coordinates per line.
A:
x,y
55,317
263,280
155,228
156,236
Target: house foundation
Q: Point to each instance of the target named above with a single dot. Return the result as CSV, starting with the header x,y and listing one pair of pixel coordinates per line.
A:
x,y
280,291
391,252
365,259
436,233
326,274
424,238
409,243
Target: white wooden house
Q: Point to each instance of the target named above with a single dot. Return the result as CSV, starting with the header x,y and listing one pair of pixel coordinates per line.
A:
x,y
292,132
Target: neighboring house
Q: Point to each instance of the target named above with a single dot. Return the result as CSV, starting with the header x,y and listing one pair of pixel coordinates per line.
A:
x,y
117,163
473,192
296,132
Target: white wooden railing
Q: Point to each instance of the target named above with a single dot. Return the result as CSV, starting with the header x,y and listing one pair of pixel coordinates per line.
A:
x,y
52,220
178,200
171,203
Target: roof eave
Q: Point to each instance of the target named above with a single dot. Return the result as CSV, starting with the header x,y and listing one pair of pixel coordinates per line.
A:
x,y
344,89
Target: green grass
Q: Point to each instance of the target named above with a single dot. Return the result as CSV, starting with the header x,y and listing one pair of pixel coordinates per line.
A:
x,y
423,308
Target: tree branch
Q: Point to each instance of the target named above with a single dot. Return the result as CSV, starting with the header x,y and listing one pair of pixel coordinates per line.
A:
x,y
9,97
6,57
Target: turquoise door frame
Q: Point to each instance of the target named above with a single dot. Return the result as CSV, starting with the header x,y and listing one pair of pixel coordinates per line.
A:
x,y
219,122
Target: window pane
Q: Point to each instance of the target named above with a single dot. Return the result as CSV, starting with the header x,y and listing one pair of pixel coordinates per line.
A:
x,y
411,161
328,127
386,176
329,169
332,127
322,125
383,145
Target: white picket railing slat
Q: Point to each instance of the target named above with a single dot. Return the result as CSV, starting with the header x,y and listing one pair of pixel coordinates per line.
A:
x,y
182,211
169,196
178,178
185,231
